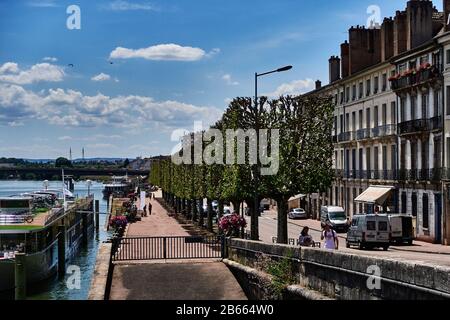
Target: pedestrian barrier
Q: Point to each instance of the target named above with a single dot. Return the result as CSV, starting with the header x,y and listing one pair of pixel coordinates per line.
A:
x,y
154,248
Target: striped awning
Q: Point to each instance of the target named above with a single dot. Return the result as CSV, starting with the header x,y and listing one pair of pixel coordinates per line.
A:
x,y
374,195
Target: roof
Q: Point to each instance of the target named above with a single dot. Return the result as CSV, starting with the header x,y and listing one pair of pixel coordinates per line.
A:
x,y
374,195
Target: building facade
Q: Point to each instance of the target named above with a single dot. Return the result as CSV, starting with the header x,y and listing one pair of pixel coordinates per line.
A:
x,y
391,86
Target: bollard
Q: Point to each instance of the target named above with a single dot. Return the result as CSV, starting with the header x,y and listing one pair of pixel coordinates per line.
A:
x,y
97,215
62,251
20,277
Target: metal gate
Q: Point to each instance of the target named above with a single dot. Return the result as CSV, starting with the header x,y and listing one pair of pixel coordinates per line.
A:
x,y
160,248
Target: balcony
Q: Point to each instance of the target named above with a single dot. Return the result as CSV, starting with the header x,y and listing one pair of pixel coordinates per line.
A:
x,y
362,134
413,126
435,123
417,78
346,136
383,131
435,174
370,174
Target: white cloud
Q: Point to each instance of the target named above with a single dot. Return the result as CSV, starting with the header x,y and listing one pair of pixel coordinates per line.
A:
x,y
10,72
101,77
120,5
293,88
171,52
72,108
65,138
229,81
213,52
50,59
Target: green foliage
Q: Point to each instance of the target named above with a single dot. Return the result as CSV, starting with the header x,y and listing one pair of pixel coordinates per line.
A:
x,y
63,162
282,273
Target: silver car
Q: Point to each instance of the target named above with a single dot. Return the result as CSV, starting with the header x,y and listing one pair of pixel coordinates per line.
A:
x,y
297,213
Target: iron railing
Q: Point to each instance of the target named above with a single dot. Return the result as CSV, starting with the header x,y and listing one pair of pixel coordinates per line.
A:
x,y
161,248
362,134
417,78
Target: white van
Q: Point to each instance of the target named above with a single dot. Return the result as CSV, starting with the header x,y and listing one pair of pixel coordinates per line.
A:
x,y
335,216
369,231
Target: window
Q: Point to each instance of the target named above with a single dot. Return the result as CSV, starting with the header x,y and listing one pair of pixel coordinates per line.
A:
x,y
335,125
425,216
413,107
393,156
448,101
402,68
347,122
361,90
436,110
424,59
360,205
347,94
404,202
368,159
342,97
341,123
412,64
425,98
384,114
402,110
360,159
385,159
382,226
425,148
354,92
448,154
371,226
437,153
360,116
447,53
414,204
353,121
368,87
368,118
375,117
384,82
375,85
393,113
375,158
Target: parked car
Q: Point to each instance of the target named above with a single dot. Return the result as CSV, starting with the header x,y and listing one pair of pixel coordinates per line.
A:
x,y
335,216
297,213
401,228
369,231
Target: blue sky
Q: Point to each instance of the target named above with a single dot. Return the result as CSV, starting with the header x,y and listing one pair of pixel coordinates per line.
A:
x,y
142,69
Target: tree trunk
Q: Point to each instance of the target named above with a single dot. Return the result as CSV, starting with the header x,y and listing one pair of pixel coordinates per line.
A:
x,y
254,226
209,217
220,213
282,226
201,218
194,210
189,208
235,204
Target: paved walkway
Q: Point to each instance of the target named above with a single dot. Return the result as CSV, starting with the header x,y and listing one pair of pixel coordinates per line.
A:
x,y
207,279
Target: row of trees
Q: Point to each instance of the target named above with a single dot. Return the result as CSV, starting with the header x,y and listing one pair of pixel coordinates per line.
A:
x,y
304,156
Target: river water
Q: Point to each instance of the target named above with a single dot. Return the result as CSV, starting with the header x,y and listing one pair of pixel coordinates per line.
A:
x,y
57,289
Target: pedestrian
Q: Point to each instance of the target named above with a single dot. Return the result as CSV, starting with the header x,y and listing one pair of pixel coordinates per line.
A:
x,y
305,240
149,208
330,237
145,210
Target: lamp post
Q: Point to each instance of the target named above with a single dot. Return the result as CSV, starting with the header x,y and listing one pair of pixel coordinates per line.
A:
x,y
254,221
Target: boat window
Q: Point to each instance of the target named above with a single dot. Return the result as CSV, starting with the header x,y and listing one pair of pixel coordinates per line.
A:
x,y
382,226
12,242
371,226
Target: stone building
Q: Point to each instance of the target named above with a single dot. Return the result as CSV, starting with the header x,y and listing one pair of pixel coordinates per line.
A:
x,y
391,86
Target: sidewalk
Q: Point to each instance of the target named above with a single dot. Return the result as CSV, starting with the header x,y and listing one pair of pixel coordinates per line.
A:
x,y
418,246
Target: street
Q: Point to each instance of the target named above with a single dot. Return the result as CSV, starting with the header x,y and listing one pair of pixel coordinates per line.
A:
x,y
268,229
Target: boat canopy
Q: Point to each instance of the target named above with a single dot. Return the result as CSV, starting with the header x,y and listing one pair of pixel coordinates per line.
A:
x,y
374,195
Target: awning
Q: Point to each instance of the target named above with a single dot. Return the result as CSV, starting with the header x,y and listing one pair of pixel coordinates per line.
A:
x,y
374,195
299,196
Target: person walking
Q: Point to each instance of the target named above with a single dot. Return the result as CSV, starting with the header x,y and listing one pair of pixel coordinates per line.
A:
x,y
330,237
305,240
149,208
145,210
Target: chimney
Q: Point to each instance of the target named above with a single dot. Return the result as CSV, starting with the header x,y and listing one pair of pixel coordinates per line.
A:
x,y
318,84
400,32
387,39
334,68
419,22
365,48
345,59
446,7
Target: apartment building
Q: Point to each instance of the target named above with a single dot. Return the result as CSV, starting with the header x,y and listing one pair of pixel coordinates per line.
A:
x,y
391,86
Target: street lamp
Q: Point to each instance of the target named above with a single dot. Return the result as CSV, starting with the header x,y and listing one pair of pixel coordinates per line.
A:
x,y
254,222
